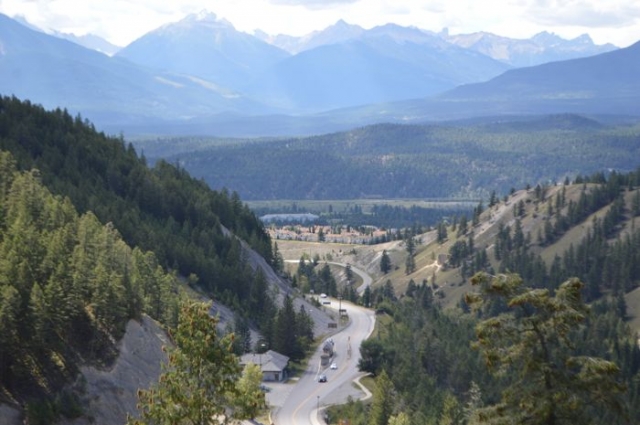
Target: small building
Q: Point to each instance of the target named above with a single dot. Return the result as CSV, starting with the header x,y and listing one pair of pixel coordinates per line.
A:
x,y
272,364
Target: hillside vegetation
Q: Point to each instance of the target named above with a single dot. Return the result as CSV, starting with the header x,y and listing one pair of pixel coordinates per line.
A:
x,y
162,209
407,161
90,238
68,286
585,229
544,223
88,232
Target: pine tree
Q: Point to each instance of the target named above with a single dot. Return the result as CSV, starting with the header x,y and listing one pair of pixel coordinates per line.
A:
x,y
249,399
9,332
200,378
463,226
304,328
383,400
400,419
452,412
493,199
552,383
410,263
366,297
635,204
385,262
285,339
442,232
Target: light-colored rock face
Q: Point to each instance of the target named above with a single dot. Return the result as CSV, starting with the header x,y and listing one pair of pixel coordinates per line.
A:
x,y
9,415
111,394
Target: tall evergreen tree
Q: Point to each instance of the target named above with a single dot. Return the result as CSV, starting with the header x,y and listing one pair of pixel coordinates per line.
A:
x,y
383,400
551,384
285,339
385,262
199,380
249,399
410,263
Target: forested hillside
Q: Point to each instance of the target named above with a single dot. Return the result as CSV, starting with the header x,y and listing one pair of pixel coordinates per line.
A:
x,y
68,286
91,237
554,261
161,208
408,161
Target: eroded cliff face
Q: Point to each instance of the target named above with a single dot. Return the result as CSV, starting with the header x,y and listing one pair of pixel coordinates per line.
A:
x,y
109,395
10,415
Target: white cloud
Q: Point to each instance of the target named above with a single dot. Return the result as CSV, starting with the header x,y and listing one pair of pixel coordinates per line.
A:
x,y
585,14
121,21
313,4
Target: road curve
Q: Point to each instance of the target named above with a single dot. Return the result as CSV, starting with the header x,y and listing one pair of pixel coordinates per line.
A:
x,y
301,406
366,279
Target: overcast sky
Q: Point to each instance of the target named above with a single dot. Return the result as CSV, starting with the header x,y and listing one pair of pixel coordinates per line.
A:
x,y
122,21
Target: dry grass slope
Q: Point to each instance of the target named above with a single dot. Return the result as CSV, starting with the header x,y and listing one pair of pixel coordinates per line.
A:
x,y
448,282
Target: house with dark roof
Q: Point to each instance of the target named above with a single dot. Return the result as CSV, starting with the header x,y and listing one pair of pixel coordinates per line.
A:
x,y
272,364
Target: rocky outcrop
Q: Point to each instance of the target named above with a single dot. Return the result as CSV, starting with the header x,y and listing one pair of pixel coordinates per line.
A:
x,y
109,395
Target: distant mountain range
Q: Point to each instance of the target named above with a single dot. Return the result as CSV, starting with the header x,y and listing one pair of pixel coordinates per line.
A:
x,y
541,48
386,63
90,41
58,73
201,75
204,46
605,84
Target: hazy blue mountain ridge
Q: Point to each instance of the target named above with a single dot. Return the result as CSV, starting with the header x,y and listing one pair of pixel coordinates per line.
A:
x,y
541,48
605,84
90,41
609,75
201,76
204,46
349,67
373,69
58,73
337,33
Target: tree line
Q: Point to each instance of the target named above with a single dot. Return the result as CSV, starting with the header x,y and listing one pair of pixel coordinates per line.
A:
x,y
161,209
91,237
391,161
543,342
68,286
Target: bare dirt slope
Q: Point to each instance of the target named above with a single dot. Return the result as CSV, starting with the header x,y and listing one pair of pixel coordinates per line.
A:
x,y
111,394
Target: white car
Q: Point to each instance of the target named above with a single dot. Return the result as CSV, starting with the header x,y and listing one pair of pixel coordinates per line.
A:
x,y
323,295
334,366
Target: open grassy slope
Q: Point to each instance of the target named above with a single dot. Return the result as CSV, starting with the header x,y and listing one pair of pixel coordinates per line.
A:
x,y
449,283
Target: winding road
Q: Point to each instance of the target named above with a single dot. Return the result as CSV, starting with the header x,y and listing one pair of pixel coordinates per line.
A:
x,y
308,395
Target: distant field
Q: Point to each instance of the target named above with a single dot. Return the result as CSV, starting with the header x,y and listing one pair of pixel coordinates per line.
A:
x,y
341,205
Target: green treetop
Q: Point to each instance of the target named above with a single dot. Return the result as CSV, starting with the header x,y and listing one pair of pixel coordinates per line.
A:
x,y
533,347
200,378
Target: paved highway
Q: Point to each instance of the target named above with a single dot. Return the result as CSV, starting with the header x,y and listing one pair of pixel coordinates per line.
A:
x,y
366,279
301,404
